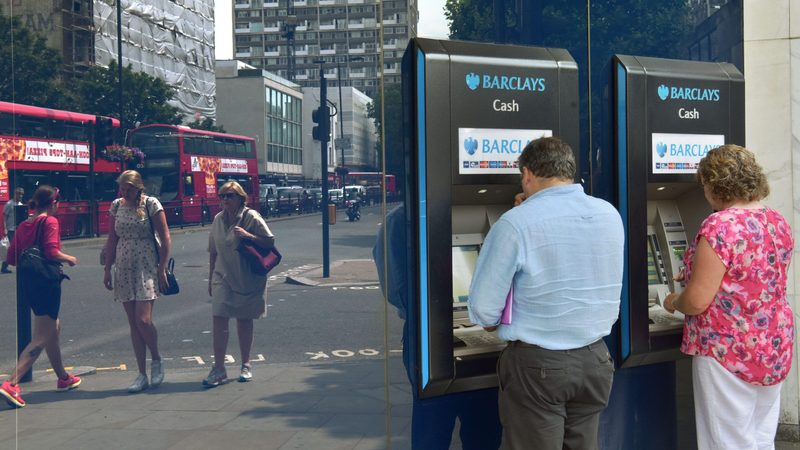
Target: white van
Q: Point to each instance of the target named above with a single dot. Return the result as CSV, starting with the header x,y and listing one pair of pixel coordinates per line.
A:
x,y
265,190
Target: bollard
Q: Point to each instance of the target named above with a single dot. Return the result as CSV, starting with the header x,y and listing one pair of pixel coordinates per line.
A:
x,y
331,213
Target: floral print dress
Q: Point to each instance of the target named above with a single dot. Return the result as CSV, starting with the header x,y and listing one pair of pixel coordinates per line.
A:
x,y
749,326
135,264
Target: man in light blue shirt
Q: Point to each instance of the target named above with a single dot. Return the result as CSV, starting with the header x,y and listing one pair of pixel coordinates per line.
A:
x,y
563,252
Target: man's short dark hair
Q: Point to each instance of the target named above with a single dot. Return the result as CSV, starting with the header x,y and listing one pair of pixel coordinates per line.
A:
x,y
549,157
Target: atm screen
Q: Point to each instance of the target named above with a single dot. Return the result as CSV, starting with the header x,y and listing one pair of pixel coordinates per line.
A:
x,y
464,259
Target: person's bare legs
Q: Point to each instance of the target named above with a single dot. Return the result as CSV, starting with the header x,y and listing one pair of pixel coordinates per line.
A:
x,y
244,328
44,327
221,332
144,322
53,349
139,348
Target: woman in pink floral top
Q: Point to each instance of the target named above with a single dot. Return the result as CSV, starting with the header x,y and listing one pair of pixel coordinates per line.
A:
x,y
739,326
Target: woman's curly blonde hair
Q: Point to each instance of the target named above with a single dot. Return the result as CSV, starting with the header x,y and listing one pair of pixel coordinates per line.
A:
x,y
732,173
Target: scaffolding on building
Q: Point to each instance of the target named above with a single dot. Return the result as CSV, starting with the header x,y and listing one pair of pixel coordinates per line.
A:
x,y
77,24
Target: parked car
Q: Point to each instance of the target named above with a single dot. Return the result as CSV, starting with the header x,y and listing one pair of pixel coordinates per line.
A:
x,y
335,195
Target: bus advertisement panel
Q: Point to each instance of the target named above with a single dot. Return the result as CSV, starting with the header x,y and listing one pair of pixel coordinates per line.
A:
x,y
54,147
185,167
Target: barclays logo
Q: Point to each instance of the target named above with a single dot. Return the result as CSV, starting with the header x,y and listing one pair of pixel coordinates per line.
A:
x,y
686,93
473,80
470,145
505,83
661,149
663,92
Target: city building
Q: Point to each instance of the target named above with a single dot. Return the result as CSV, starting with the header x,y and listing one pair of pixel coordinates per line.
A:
x,y
66,25
290,37
254,102
169,39
353,139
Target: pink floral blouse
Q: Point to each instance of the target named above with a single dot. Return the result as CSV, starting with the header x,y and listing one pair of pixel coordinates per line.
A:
x,y
748,327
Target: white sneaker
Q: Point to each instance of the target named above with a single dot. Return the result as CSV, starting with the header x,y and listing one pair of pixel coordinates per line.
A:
x,y
139,384
246,374
156,373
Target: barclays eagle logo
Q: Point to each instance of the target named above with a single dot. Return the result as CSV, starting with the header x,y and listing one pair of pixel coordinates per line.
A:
x,y
473,80
470,145
663,92
661,149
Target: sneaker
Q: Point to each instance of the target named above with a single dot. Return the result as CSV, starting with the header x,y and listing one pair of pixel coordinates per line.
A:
x,y
12,394
156,373
139,384
215,378
246,375
71,382
6,270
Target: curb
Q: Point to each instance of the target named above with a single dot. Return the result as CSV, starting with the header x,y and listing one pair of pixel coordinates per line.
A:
x,y
303,281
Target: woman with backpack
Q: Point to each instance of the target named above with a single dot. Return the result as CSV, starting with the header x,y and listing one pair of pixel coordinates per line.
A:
x,y
43,297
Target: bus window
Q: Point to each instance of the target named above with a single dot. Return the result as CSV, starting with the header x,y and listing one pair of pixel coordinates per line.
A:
x,y
76,188
163,185
155,140
247,185
32,180
105,186
188,184
7,125
31,127
74,132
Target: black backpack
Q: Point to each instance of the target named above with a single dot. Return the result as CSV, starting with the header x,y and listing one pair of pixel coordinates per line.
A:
x,y
33,263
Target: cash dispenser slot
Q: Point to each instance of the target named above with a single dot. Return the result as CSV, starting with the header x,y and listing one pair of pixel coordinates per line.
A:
x,y
474,220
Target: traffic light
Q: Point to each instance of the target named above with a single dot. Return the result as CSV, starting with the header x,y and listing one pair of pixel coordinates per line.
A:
x,y
103,132
322,117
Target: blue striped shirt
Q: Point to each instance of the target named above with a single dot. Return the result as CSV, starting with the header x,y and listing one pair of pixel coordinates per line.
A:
x,y
563,250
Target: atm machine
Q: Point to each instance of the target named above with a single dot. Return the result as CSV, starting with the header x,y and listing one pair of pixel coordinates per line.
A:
x,y
470,110
668,114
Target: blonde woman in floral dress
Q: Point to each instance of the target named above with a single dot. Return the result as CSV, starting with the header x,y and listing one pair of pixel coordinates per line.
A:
x,y
138,274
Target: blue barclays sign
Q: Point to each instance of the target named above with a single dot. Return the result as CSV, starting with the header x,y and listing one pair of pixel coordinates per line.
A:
x,y
505,83
493,150
681,153
687,93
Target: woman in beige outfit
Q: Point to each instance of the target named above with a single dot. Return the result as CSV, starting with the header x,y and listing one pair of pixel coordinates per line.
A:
x,y
236,291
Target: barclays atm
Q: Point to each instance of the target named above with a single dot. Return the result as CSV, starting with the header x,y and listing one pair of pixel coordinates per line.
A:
x,y
668,114
470,109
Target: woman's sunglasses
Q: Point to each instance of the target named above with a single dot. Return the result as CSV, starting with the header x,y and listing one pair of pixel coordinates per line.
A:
x,y
228,195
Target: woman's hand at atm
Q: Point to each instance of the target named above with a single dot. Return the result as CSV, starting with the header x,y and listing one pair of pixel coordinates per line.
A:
x,y
703,286
668,302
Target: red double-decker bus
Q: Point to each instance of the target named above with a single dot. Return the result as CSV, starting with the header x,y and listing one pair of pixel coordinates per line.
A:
x,y
49,146
184,168
373,179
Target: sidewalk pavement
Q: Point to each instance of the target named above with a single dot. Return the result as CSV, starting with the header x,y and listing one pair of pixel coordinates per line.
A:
x,y
285,406
346,272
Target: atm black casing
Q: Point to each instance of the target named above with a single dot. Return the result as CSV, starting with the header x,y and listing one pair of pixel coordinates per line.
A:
x,y
437,102
639,113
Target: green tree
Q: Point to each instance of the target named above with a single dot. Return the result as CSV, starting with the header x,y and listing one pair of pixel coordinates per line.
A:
x,y
29,70
144,98
393,116
206,124
470,20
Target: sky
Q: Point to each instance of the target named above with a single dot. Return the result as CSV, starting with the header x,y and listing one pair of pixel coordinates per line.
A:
x,y
432,24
